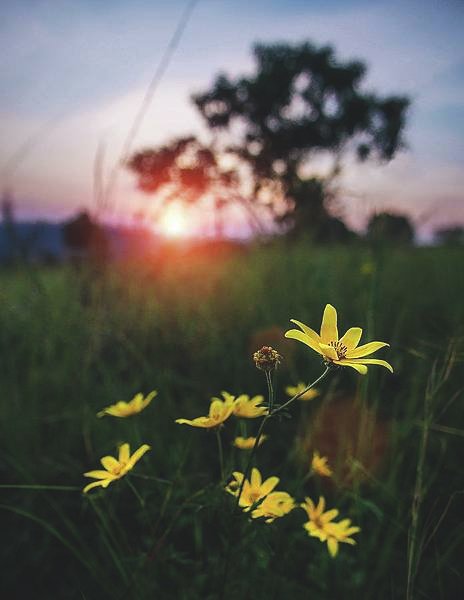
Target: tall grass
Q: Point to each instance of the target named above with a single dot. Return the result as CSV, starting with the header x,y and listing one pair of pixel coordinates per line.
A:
x,y
71,343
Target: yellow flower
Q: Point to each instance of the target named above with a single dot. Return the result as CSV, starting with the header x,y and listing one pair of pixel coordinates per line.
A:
x,y
344,351
253,489
367,268
319,465
276,504
115,468
340,532
249,408
248,443
321,525
293,390
316,513
127,409
219,411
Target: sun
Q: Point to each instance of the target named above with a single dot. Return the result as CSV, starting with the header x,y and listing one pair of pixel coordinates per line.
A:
x,y
173,222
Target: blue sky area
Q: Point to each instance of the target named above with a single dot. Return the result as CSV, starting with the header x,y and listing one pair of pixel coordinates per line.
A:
x,y
74,73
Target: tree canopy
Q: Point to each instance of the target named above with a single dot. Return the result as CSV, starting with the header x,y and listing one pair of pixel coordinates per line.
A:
x,y
301,101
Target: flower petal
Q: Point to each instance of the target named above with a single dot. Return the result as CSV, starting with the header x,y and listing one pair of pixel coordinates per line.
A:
x,y
124,452
294,334
268,485
138,455
328,351
351,337
329,331
307,330
149,398
332,544
109,463
255,479
365,349
92,485
329,515
359,367
98,474
372,361
198,422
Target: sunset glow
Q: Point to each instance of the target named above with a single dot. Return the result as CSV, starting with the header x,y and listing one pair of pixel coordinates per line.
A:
x,y
173,222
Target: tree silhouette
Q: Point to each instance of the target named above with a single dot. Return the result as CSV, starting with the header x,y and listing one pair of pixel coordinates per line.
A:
x,y
85,238
450,236
188,171
300,102
389,228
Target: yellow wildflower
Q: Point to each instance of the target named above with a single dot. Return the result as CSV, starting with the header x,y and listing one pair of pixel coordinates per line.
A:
x,y
249,408
127,409
321,525
293,390
319,465
367,268
219,411
248,443
344,351
115,468
276,504
253,489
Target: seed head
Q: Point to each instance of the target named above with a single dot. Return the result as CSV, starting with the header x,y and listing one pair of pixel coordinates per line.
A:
x,y
267,358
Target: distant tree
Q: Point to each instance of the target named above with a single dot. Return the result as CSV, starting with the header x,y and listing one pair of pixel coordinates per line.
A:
x,y
450,236
301,102
85,238
186,170
390,228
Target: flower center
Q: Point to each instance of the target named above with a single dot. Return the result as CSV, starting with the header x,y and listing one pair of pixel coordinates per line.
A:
x,y
255,496
340,349
117,469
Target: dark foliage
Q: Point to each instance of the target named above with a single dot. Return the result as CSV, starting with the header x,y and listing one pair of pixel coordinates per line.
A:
x,y
302,101
85,238
386,227
450,236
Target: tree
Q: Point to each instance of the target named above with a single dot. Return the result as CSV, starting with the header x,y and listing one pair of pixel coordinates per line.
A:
x,y
186,170
450,236
301,102
389,228
85,238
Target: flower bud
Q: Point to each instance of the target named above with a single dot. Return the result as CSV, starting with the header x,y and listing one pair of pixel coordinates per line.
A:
x,y
267,358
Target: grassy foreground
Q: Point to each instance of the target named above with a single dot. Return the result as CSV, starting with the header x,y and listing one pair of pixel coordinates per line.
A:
x,y
71,344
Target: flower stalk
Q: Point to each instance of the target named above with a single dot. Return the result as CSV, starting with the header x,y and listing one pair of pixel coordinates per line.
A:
x,y
272,412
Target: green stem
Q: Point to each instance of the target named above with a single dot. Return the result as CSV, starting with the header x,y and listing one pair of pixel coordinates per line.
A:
x,y
137,495
220,453
270,390
417,500
269,416
311,385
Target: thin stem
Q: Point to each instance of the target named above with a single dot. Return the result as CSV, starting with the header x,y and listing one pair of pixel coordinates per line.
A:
x,y
311,385
270,390
417,500
269,416
220,453
134,489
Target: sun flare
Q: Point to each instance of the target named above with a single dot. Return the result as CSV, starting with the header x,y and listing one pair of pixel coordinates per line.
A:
x,y
173,222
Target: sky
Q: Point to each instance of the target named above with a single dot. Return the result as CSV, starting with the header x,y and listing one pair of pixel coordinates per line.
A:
x,y
73,75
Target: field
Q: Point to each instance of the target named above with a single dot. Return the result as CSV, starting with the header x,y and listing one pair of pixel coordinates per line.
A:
x,y
75,341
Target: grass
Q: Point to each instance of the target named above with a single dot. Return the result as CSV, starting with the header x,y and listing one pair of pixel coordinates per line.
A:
x,y
72,343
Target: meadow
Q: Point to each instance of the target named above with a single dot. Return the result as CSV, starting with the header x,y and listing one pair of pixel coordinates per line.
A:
x,y
73,342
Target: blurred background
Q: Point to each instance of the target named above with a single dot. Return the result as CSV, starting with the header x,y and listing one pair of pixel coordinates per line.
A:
x,y
177,181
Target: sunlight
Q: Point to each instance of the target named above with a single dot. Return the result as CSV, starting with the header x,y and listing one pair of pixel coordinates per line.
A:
x,y
173,222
